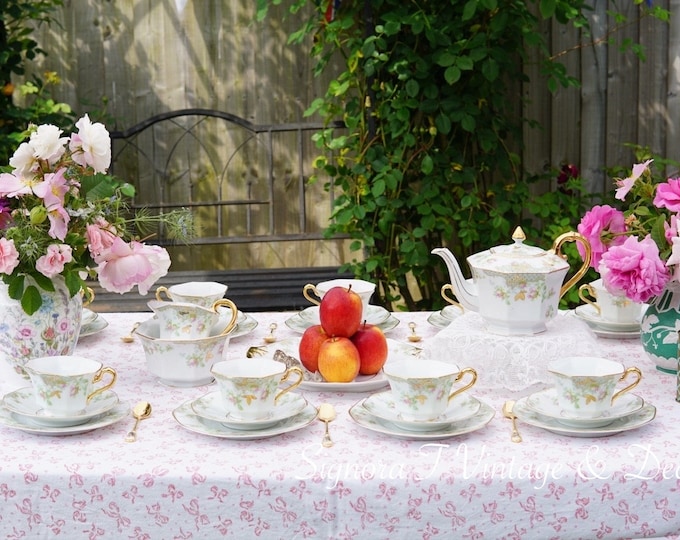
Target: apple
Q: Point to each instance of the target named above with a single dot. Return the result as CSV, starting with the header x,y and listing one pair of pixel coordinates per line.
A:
x,y
311,341
339,360
340,312
372,346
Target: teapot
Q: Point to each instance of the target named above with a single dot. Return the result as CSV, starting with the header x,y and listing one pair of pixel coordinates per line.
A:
x,y
518,287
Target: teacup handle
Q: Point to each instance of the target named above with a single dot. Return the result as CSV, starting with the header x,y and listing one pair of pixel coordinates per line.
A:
x,y
590,291
632,385
294,384
444,292
305,292
88,296
234,313
98,377
461,374
160,291
588,252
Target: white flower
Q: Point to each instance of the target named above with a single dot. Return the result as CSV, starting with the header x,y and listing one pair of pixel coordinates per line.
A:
x,y
91,145
47,144
24,161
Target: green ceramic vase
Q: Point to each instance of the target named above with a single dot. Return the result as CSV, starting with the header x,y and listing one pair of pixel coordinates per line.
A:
x,y
659,328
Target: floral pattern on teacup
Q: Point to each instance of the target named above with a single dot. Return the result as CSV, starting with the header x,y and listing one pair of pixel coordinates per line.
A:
x,y
243,393
417,393
582,392
53,388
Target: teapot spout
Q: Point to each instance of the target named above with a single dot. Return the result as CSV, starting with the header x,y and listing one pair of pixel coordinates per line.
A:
x,y
467,298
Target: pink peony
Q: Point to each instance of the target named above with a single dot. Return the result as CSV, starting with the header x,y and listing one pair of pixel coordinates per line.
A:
x,y
598,222
123,266
52,263
668,195
9,256
634,269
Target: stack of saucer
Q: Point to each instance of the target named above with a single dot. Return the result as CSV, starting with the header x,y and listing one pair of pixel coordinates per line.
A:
x,y
606,328
541,409
376,315
91,323
207,415
378,413
20,410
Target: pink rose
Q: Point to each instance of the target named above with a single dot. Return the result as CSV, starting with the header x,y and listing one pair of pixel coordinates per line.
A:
x,y
125,265
635,269
625,185
598,222
52,263
668,195
100,238
9,256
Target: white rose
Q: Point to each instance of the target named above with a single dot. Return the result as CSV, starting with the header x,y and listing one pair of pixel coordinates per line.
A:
x,y
47,143
91,145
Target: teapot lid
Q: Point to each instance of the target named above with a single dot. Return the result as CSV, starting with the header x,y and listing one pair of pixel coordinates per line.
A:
x,y
518,257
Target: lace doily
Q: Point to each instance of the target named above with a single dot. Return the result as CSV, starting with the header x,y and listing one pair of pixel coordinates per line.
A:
x,y
514,363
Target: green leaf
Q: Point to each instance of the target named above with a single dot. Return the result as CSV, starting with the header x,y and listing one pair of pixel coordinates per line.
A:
x,y
469,10
452,74
412,87
31,300
426,165
547,8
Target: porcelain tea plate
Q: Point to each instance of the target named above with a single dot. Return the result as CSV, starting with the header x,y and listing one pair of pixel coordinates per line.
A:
x,y
93,327
299,323
636,420
383,406
444,317
545,402
88,316
590,315
209,407
22,402
365,419
363,383
15,421
185,417
245,324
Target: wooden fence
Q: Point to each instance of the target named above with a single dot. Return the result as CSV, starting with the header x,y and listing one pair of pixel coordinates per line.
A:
x,y
143,57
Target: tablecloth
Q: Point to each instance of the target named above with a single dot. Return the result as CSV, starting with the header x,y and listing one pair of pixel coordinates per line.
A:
x,y
173,483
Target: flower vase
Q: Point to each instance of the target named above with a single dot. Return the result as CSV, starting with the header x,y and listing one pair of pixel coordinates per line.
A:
x,y
659,328
53,330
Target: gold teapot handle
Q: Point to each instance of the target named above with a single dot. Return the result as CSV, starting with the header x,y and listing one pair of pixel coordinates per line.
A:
x,y
573,237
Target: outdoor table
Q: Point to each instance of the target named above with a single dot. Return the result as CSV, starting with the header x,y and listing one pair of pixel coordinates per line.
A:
x,y
174,483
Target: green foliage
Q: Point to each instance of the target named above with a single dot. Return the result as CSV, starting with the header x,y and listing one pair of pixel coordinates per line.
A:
x,y
18,19
431,153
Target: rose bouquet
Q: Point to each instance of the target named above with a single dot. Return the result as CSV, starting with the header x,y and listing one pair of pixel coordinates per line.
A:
x,y
61,214
637,250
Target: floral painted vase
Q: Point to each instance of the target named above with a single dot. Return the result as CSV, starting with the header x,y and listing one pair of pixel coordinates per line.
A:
x,y
53,330
659,328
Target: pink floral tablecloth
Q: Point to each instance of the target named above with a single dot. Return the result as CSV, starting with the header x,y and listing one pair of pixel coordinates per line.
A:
x,y
173,483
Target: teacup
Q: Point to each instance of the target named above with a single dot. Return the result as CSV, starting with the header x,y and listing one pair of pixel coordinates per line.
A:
x,y
181,320
422,389
612,308
63,385
586,385
250,386
364,289
201,293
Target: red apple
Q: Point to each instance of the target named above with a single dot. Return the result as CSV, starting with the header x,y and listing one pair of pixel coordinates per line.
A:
x,y
339,360
372,346
311,341
340,312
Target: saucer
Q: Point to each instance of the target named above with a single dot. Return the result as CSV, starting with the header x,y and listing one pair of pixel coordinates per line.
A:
x,y
22,402
545,403
185,417
373,315
589,314
209,407
15,421
87,317
365,419
96,325
245,324
633,421
362,383
444,317
298,324
383,406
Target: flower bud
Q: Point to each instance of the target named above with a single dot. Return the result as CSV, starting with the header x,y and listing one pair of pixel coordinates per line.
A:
x,y
38,215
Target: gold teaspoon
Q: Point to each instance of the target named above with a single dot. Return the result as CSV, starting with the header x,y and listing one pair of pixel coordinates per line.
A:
x,y
326,415
129,338
507,413
270,338
140,411
413,337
